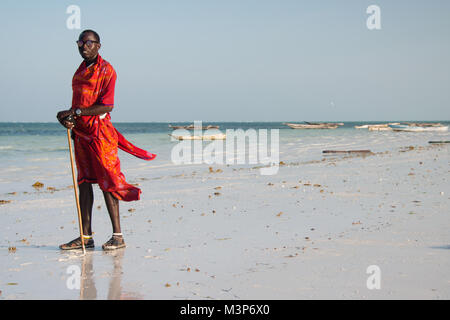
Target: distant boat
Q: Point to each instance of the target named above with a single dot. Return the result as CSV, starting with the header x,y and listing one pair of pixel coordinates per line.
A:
x,y
373,128
431,124
312,126
419,127
192,127
326,123
219,136
376,126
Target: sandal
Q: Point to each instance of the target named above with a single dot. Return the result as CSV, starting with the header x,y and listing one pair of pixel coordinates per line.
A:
x,y
116,242
76,244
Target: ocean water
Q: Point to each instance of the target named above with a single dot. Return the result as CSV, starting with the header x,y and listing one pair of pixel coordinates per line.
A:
x,y
31,152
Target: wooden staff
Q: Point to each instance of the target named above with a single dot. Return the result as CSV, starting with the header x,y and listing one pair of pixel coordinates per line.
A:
x,y
75,188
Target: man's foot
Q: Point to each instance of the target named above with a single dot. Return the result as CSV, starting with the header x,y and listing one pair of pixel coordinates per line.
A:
x,y
114,243
76,244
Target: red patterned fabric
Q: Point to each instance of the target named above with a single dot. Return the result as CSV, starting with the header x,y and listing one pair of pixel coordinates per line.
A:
x,y
96,140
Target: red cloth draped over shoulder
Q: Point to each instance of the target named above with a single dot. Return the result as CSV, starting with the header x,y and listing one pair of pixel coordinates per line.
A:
x,y
96,140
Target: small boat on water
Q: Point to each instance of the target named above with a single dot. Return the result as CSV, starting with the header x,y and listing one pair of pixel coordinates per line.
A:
x,y
312,125
326,123
192,127
380,128
374,127
219,136
431,124
433,127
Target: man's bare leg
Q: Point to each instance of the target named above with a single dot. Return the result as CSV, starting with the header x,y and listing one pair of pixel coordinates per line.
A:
x,y
116,241
86,198
112,204
86,204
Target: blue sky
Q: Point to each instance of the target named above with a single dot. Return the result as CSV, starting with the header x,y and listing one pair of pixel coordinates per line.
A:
x,y
234,60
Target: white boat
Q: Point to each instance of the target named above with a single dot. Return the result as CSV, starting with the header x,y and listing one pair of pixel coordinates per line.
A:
x,y
311,126
419,128
326,123
219,136
380,125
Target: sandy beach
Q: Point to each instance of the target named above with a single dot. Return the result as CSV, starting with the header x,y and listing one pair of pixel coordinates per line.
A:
x,y
309,232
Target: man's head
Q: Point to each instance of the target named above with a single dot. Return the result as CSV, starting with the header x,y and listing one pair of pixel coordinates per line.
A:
x,y
88,44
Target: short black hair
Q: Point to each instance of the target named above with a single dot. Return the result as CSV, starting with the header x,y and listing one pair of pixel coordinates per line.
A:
x,y
97,37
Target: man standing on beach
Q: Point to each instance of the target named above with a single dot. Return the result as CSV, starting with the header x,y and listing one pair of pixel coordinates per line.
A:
x,y
96,141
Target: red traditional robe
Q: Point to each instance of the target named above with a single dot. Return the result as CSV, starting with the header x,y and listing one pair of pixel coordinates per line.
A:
x,y
96,140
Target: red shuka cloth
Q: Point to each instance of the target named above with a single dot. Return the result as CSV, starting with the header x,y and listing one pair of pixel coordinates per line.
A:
x,y
96,140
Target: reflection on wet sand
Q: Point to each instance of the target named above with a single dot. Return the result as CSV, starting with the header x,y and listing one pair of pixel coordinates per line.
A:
x,y
88,290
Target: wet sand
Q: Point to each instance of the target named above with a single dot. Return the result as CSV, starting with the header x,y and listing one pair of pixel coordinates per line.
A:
x,y
308,232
